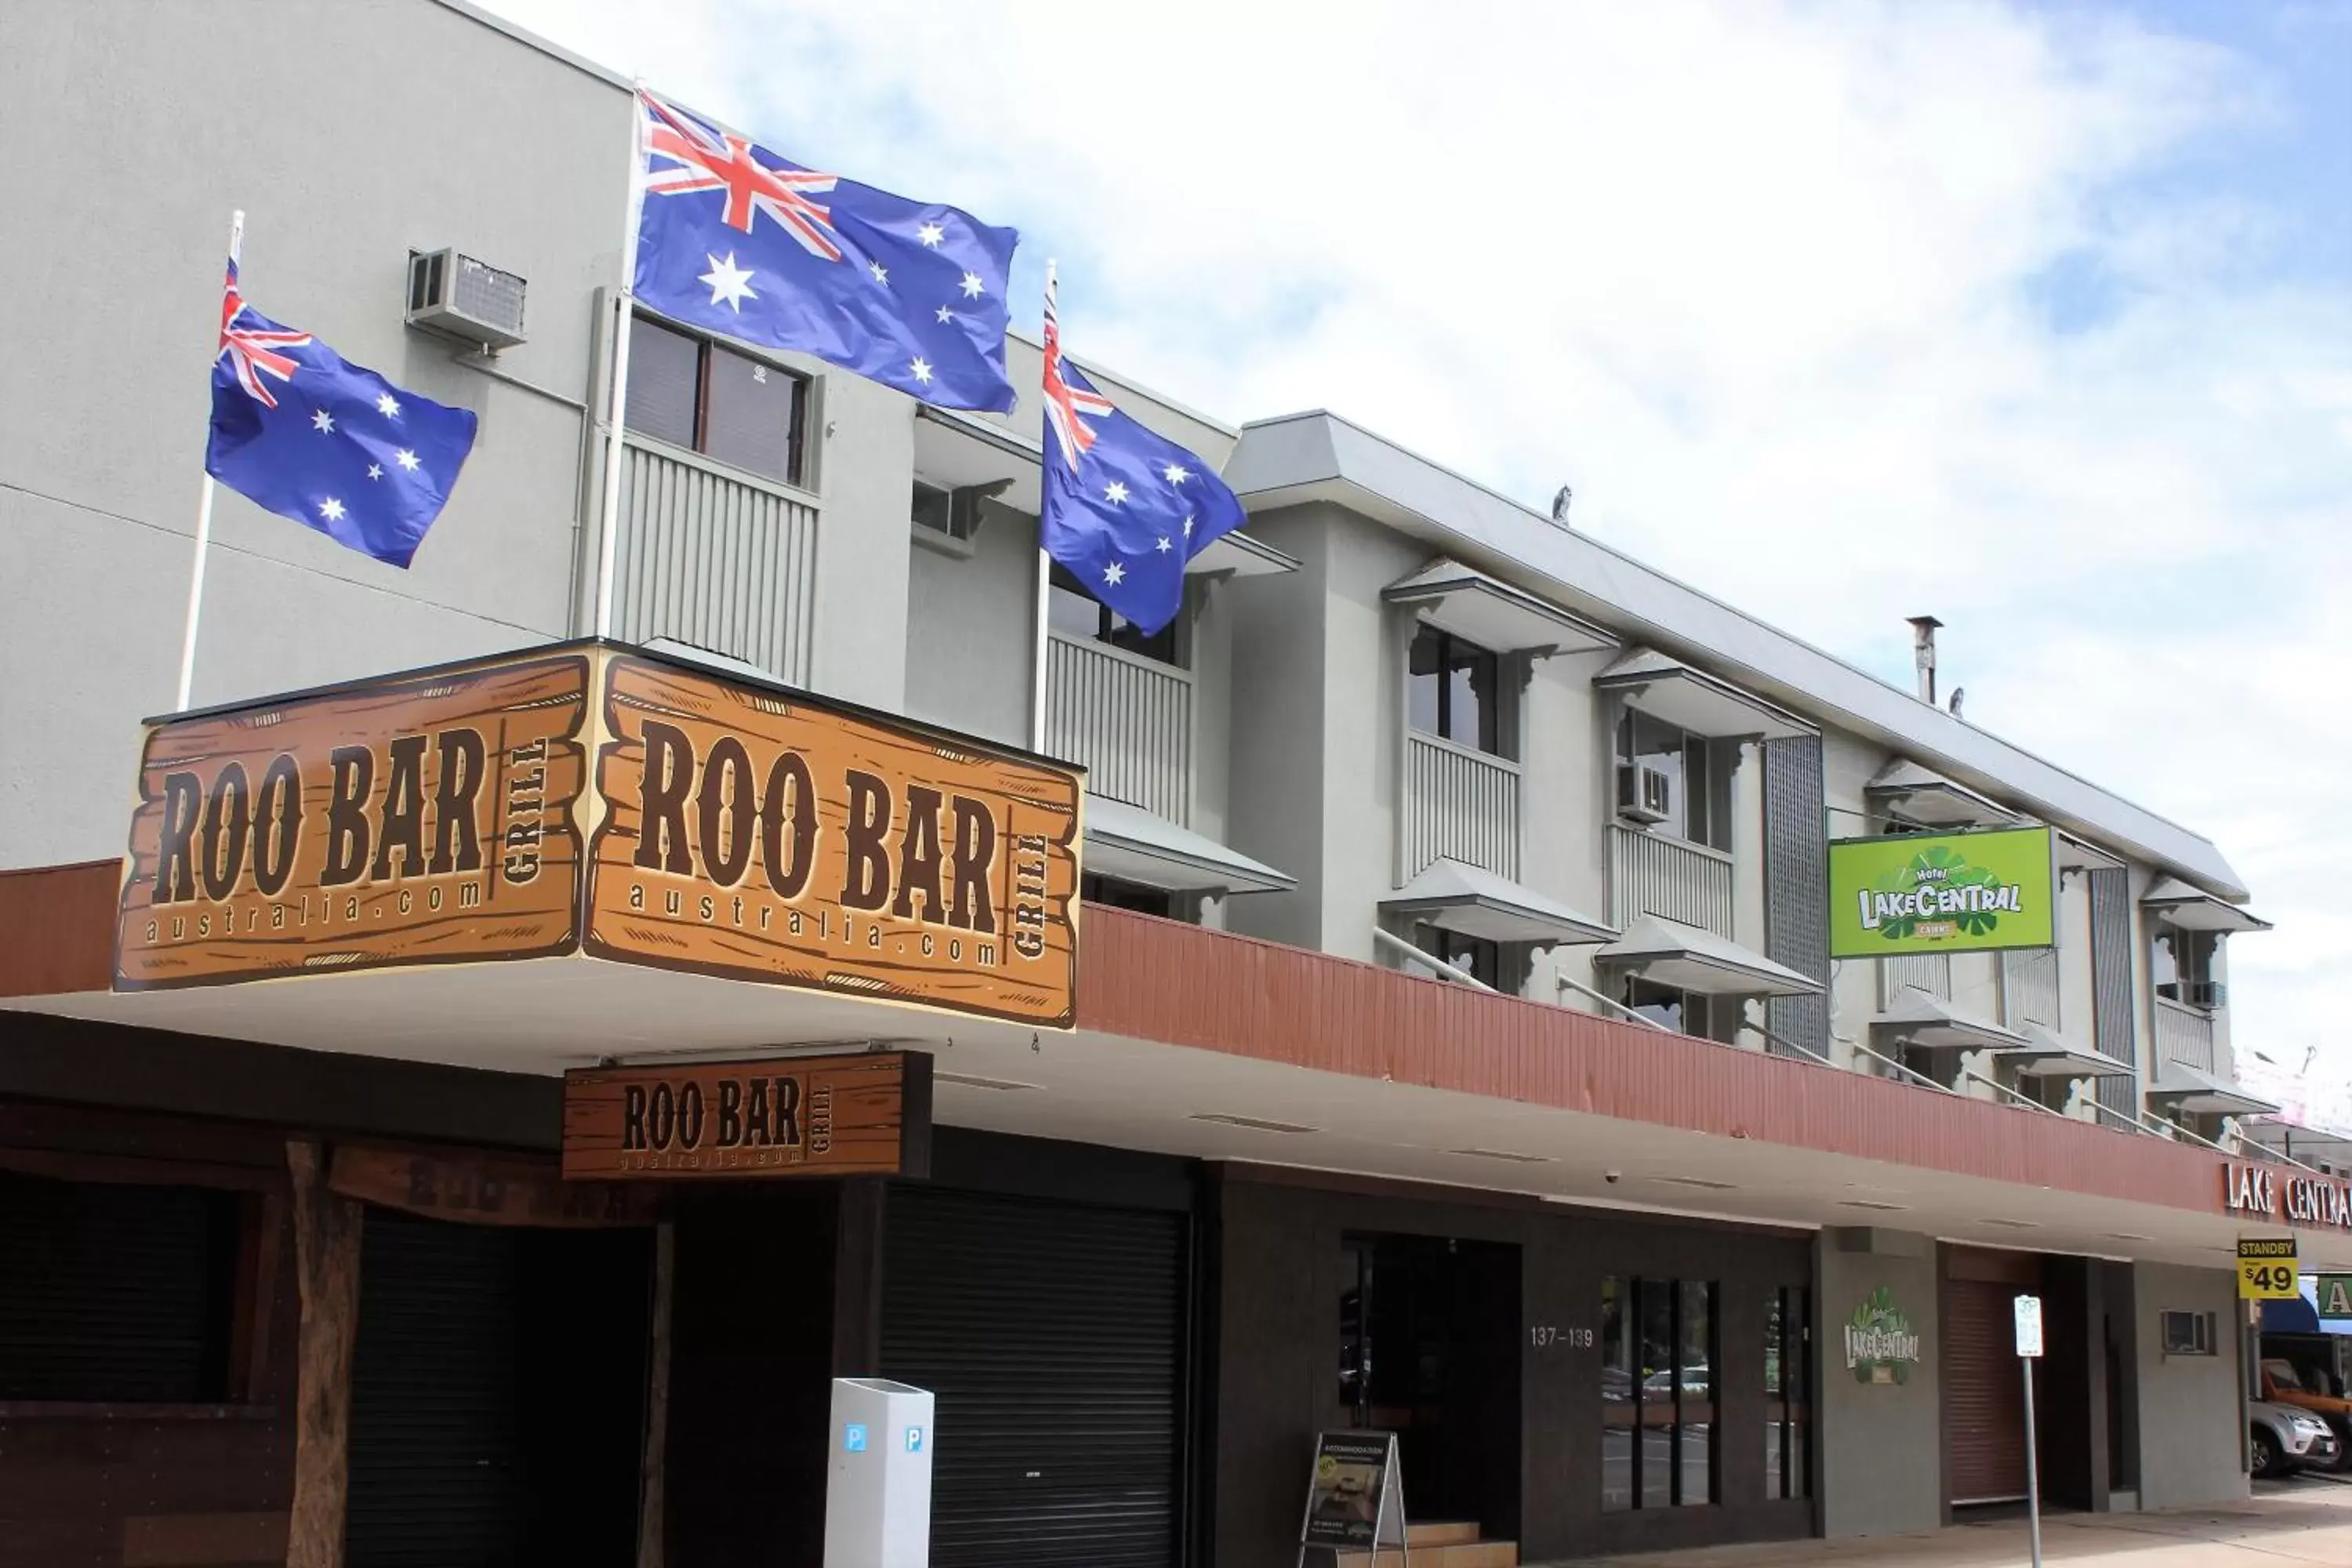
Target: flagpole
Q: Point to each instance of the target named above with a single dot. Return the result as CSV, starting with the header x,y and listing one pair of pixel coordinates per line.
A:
x,y
203,521
616,407
1044,571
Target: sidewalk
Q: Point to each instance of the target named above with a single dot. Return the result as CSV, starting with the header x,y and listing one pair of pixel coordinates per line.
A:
x,y
2306,1521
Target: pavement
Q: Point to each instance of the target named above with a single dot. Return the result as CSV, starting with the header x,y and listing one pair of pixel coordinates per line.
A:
x,y
2306,1520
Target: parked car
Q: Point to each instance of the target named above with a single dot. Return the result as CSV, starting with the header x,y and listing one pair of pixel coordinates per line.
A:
x,y
2287,1439
2282,1384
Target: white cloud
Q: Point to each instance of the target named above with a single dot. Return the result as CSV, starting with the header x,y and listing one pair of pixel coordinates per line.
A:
x,y
1760,279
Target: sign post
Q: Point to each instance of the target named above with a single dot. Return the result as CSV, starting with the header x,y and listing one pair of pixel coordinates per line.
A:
x,y
1355,1498
2029,1350
2266,1270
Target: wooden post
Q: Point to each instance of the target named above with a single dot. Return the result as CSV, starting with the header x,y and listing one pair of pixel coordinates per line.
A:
x,y
327,1269
656,1454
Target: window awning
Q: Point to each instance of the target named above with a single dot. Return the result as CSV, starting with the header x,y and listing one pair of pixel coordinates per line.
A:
x,y
1672,953
1132,845
1928,798
2080,855
2045,1055
1491,613
2191,1088
1695,701
1921,1019
1473,901
2193,909
2296,1142
955,450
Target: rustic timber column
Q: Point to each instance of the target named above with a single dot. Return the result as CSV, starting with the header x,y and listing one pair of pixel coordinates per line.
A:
x,y
327,1267
657,1452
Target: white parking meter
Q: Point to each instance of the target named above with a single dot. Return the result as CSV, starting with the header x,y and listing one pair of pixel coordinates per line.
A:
x,y
877,1501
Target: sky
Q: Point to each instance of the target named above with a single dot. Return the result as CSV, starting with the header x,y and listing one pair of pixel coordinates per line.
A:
x,y
2036,317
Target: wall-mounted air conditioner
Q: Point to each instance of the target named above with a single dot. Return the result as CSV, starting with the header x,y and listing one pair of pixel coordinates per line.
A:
x,y
1643,793
455,295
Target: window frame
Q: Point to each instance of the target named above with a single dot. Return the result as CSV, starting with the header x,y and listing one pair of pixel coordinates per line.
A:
x,y
1485,954
1702,792
1169,647
1788,1336
1634,1297
795,474
2203,1338
1116,893
1496,736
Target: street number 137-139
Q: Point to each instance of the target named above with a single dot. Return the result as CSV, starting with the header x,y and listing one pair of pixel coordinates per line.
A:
x,y
1545,1335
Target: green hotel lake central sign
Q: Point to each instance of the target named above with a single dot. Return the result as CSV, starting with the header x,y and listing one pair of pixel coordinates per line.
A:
x,y
1942,892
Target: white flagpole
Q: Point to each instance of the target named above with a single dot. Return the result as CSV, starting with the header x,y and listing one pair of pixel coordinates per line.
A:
x,y
616,409
1045,563
203,521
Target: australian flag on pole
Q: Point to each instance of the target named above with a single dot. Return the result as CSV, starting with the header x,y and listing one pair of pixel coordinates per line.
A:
x,y
739,241
301,431
1124,509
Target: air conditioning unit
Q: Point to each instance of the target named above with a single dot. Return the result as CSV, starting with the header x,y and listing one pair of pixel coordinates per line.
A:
x,y
2210,995
1643,794
458,297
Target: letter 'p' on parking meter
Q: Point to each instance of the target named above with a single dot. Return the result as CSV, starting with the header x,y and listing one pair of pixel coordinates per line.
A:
x,y
877,1500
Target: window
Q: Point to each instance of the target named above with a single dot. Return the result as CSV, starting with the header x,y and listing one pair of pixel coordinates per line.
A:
x,y
1455,690
728,406
1690,1013
1657,1393
1074,613
1474,955
116,1293
951,514
2182,963
1112,893
1698,785
2188,1334
1788,1397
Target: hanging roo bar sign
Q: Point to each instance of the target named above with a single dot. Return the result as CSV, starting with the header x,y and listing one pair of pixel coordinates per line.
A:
x,y
761,835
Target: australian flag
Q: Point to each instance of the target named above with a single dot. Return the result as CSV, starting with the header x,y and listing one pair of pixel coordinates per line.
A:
x,y
1124,509
300,430
732,239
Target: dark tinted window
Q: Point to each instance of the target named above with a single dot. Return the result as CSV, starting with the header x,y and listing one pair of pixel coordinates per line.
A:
x,y
710,399
1478,957
1453,691
1075,612
1115,894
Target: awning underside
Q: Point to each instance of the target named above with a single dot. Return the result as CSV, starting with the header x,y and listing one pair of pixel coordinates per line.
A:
x,y
1922,1018
2188,1089
1671,954
2193,909
1694,701
1131,845
1491,613
1928,798
2044,1055
1473,901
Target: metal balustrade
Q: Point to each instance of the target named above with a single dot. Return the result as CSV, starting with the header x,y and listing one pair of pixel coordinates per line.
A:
x,y
1459,805
1128,719
1928,971
715,558
2029,988
1650,874
2183,1034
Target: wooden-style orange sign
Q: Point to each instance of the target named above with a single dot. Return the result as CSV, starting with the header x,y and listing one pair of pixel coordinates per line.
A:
x,y
868,1114
485,1189
762,836
424,819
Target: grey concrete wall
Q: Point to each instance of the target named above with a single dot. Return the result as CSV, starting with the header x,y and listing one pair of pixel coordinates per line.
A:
x,y
2192,1409
1276,761
1365,641
1882,1444
970,628
505,152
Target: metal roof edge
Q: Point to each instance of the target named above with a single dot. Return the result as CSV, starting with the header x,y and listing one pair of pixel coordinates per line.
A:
x,y
1934,737
524,35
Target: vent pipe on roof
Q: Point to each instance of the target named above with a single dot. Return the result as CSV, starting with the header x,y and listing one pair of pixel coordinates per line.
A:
x,y
1923,654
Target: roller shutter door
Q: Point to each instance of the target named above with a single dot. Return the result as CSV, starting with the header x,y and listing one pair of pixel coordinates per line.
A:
x,y
1984,1397
1053,1335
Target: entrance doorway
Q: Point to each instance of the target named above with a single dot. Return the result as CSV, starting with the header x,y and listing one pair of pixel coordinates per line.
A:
x,y
498,1395
1429,1349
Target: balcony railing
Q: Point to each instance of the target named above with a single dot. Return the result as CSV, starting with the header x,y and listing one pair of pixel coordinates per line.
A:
x,y
2183,1034
1928,971
1128,719
1650,874
1459,805
715,558
2029,988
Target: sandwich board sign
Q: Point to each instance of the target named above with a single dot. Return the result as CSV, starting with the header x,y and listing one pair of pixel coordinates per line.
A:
x,y
1355,1498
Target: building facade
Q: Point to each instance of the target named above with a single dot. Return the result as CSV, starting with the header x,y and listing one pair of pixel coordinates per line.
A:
x,y
1458,1048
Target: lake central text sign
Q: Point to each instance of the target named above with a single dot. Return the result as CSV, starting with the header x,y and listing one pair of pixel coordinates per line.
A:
x,y
593,799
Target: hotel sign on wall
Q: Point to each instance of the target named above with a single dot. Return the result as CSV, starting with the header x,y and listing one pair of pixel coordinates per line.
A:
x,y
593,800
1942,892
2295,1197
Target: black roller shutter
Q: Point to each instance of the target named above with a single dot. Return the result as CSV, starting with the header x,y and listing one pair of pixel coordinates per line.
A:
x,y
115,1292
433,1444
1053,1335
